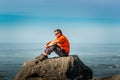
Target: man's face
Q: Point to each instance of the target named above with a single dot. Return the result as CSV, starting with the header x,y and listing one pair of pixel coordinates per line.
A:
x,y
57,34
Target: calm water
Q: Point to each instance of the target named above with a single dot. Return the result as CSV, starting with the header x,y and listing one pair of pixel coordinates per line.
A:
x,y
103,59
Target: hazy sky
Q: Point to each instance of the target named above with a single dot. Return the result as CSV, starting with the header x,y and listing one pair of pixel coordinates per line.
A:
x,y
82,21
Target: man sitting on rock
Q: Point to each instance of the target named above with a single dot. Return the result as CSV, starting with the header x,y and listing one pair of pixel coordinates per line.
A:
x,y
60,46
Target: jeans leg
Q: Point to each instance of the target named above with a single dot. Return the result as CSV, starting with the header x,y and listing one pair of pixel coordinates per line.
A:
x,y
50,49
60,52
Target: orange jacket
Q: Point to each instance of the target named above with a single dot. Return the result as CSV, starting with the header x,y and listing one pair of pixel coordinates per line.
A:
x,y
64,43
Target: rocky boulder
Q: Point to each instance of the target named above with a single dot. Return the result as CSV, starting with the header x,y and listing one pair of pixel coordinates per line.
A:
x,y
59,68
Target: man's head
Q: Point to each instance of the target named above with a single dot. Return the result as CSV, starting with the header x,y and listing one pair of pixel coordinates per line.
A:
x,y
57,32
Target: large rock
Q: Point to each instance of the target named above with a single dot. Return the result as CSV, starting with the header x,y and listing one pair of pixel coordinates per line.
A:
x,y
59,68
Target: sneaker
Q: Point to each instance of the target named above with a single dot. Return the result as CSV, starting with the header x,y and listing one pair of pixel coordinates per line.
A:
x,y
42,57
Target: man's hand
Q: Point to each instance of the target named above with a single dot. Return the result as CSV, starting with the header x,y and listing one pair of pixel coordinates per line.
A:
x,y
46,46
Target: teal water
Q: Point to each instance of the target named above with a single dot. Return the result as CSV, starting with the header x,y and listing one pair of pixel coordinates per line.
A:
x,y
103,59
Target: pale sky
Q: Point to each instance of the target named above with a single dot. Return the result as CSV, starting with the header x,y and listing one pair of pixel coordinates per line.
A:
x,y
82,21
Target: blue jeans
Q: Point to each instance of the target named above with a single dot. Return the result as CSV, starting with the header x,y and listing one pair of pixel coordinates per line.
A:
x,y
60,52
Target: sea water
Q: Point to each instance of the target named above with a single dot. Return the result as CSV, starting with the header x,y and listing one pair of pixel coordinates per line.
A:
x,y
103,59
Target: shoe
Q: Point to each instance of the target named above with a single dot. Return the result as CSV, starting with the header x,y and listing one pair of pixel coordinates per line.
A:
x,y
42,57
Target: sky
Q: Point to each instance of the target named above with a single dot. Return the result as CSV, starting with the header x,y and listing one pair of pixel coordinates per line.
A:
x,y
82,21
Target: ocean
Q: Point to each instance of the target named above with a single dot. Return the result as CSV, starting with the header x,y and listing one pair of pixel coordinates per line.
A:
x,y
103,59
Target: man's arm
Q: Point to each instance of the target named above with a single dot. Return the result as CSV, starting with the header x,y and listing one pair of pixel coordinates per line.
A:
x,y
48,42
55,41
46,45
52,43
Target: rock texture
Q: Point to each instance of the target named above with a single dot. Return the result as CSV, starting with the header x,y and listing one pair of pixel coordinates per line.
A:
x,y
59,68
115,77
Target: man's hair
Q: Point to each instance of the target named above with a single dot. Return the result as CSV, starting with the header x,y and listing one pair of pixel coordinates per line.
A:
x,y
58,30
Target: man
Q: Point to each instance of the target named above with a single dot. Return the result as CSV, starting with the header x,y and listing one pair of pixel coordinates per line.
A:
x,y
60,46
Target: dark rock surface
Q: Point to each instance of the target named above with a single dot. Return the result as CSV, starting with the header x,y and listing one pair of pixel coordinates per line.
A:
x,y
59,68
115,77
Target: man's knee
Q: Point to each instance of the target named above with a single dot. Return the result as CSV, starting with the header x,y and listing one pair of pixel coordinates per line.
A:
x,y
50,49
